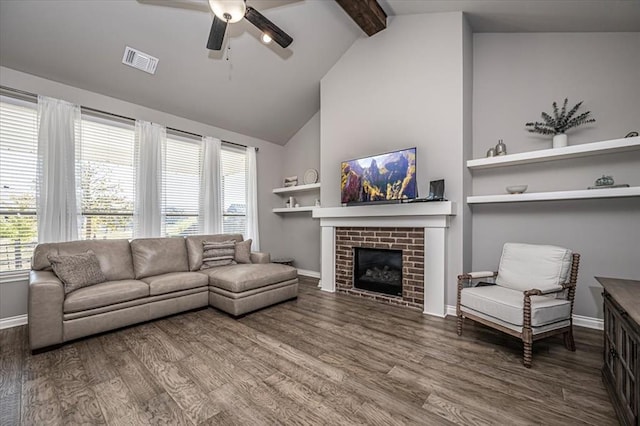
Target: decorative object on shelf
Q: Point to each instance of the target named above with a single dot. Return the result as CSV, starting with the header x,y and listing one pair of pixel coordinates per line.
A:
x,y
501,148
310,176
607,182
517,189
491,152
292,201
297,205
632,135
287,204
317,203
290,181
560,122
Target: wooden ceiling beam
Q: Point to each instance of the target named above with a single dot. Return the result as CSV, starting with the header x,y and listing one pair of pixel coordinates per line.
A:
x,y
366,13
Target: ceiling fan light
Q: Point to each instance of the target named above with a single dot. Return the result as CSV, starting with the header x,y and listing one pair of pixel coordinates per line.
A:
x,y
230,11
266,38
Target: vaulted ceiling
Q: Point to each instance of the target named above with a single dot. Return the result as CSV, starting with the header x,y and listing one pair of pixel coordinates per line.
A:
x,y
250,88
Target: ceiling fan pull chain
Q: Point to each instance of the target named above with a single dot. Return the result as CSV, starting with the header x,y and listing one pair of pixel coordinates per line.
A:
x,y
228,58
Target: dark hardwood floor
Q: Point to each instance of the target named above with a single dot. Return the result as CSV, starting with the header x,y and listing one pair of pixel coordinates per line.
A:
x,y
322,359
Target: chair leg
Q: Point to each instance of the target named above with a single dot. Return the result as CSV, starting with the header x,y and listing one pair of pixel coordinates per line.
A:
x,y
527,354
459,325
569,343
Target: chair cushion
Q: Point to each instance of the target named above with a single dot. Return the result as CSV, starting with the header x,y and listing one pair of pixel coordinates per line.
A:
x,y
175,281
507,305
528,266
105,294
243,277
157,256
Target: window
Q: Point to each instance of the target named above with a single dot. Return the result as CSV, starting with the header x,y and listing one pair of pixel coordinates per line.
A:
x,y
18,161
181,182
234,190
108,178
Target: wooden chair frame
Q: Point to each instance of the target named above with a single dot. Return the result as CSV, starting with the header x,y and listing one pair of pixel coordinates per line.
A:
x,y
526,335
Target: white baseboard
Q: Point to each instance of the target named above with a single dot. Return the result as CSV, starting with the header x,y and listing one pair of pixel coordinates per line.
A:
x,y
13,321
307,273
578,320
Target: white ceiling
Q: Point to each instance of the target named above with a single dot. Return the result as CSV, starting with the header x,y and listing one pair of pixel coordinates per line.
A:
x,y
262,91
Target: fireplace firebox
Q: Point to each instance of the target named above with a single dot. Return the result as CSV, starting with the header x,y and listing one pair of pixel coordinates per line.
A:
x,y
378,270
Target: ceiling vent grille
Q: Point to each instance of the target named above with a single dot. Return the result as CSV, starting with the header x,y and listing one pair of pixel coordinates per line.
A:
x,y
140,60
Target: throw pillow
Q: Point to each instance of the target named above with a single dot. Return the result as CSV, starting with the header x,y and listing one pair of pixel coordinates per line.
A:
x,y
77,270
243,251
218,254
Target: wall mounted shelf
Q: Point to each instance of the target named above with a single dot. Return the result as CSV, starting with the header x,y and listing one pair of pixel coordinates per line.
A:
x,y
573,151
297,188
293,209
582,194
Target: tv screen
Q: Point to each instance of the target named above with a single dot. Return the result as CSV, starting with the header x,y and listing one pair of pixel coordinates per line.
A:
x,y
384,177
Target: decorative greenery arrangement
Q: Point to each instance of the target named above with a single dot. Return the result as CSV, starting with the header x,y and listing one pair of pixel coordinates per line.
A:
x,y
561,120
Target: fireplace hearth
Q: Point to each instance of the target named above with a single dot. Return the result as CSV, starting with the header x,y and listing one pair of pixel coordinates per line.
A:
x,y
378,270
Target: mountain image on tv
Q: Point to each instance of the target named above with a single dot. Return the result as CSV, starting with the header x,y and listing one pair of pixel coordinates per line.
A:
x,y
383,177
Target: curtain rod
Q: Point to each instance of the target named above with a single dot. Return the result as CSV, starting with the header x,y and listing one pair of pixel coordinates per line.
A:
x,y
33,96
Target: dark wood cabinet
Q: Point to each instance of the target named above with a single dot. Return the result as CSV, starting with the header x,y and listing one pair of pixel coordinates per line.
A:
x,y
621,341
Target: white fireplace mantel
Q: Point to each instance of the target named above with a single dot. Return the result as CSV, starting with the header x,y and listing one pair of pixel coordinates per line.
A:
x,y
433,217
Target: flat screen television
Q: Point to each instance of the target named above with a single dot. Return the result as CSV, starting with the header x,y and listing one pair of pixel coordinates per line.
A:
x,y
389,177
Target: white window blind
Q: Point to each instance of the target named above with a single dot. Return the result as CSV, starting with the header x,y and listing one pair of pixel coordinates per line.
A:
x,y
181,186
108,178
18,160
234,188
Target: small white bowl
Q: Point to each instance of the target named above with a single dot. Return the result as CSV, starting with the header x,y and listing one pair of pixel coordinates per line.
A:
x,y
517,189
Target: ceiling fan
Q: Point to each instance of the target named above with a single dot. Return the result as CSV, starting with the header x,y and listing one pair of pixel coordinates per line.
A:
x,y
232,11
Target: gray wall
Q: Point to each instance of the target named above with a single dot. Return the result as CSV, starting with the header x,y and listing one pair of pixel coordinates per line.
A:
x,y
301,233
516,76
13,294
403,87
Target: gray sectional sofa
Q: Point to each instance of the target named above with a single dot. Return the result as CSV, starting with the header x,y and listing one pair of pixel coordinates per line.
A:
x,y
146,279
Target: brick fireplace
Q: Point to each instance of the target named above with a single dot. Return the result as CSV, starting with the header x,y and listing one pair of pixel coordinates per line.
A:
x,y
418,229
410,241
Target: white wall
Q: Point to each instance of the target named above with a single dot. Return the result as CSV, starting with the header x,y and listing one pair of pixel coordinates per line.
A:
x,y
13,294
403,87
301,233
516,77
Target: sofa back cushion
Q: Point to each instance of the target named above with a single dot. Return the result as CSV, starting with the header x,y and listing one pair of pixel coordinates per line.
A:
x,y
114,256
529,266
156,256
194,247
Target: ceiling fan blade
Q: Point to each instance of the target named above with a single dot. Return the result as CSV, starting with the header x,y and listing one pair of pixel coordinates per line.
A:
x,y
268,27
216,35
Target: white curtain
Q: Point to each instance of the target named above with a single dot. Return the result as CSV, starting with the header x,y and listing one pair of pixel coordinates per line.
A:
x,y
252,198
150,143
58,176
210,209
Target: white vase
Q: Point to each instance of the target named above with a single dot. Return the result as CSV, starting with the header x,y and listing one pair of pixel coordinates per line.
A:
x,y
560,140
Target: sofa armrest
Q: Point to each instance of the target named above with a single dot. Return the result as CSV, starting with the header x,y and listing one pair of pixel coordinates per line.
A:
x,y
260,257
46,299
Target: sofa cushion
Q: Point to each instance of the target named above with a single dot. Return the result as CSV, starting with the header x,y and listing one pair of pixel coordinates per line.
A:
x,y
194,246
103,294
507,305
77,270
216,254
175,281
243,277
157,256
528,266
243,251
114,256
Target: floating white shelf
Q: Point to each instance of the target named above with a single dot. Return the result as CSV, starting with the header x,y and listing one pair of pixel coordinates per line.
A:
x,y
574,151
297,188
293,209
581,194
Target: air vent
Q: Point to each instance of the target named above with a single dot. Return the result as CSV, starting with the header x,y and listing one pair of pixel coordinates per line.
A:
x,y
140,60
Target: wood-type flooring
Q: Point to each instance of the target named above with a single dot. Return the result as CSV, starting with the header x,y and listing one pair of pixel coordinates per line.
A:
x,y
321,359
